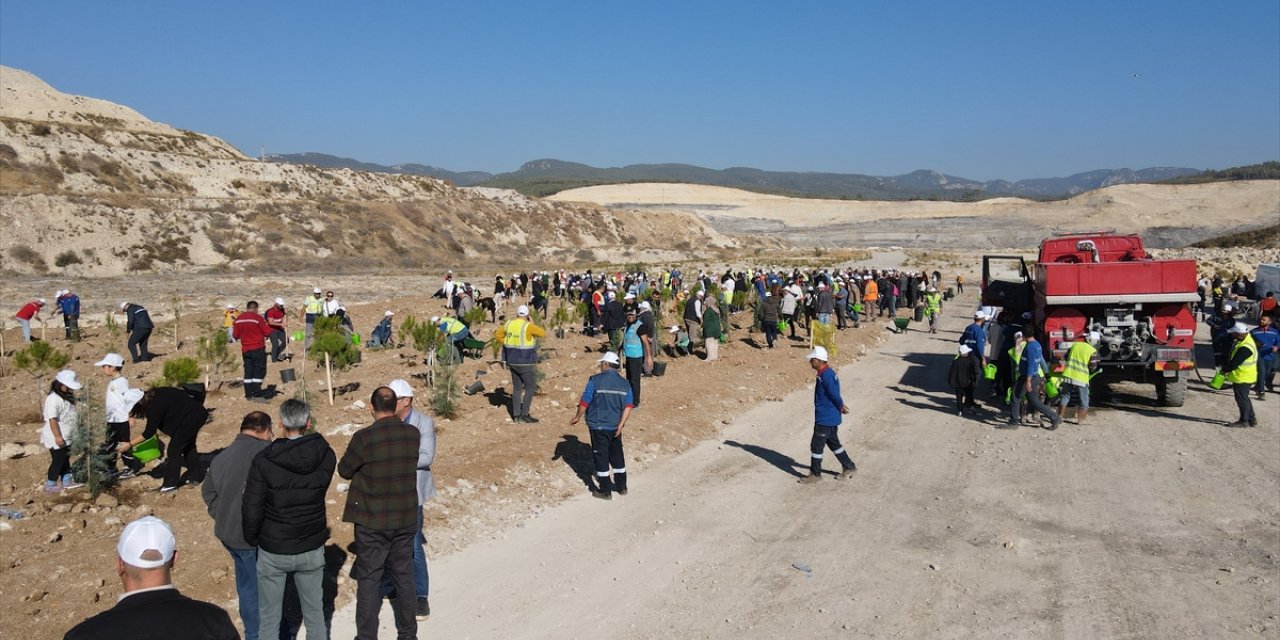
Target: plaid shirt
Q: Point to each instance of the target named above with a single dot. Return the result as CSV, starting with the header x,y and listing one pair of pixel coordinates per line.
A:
x,y
381,462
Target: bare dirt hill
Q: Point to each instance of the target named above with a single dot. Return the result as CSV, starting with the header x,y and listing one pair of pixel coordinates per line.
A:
x,y
90,187
1167,215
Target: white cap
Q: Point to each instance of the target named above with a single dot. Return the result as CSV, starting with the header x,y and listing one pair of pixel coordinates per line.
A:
x,y
147,543
280,301
645,305
68,377
40,301
401,388
388,313
58,293
124,305
1017,334
1239,327
822,285
435,319
701,293
674,329
612,295
1094,337
629,296
979,315
609,357
965,350
522,310
131,397
316,290
231,306
819,353
110,360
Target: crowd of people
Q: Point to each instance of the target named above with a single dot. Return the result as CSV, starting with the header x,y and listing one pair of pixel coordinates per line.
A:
x,y
262,475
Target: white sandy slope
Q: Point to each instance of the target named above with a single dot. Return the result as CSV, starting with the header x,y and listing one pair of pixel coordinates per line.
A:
x,y
1131,207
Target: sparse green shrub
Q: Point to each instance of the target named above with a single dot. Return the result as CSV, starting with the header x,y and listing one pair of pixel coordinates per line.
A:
x,y
446,389
474,318
39,359
212,347
331,339
66,258
179,371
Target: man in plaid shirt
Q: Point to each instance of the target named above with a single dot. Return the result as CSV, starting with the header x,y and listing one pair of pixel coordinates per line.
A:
x,y
381,463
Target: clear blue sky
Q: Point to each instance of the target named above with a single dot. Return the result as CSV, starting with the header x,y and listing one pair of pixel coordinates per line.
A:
x,y
977,89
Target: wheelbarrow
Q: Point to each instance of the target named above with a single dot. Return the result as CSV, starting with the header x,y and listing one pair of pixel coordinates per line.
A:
x,y
900,324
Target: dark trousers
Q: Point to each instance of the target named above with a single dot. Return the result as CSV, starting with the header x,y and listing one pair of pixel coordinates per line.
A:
x,y
826,437
606,451
1244,403
770,332
138,339
72,326
635,370
59,463
421,580
118,432
524,384
277,344
964,397
255,371
182,452
379,551
1033,398
1266,369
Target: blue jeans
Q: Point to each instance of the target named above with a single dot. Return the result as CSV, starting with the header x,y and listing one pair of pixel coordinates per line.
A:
x,y
26,329
308,575
246,566
421,581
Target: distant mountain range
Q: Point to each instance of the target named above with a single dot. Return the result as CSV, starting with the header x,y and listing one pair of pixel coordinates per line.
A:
x,y
545,177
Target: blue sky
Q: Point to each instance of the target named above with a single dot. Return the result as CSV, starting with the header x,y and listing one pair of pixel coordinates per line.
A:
x,y
977,89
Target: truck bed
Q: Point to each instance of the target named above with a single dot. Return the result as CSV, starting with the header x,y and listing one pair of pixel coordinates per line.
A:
x,y
1119,282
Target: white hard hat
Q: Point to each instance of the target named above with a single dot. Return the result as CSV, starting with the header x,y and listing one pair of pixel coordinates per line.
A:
x,y
819,353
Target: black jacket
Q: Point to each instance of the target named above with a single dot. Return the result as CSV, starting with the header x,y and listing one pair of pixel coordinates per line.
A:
x,y
615,315
157,615
137,317
174,413
965,371
283,511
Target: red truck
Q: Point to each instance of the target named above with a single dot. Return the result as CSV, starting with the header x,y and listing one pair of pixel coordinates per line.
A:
x,y
1108,283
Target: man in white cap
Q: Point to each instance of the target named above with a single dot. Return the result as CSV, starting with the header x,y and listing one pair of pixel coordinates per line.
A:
x,y
606,402
69,306
276,317
1241,369
426,426
26,314
151,607
933,308
312,307
1078,364
381,334
963,377
828,411
975,336
519,340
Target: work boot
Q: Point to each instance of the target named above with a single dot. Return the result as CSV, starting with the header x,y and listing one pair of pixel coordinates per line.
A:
x,y
810,479
423,609
1053,425
1008,425
1237,424
847,473
603,495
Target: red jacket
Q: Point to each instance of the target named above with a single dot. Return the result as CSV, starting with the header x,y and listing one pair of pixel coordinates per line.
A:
x,y
28,310
275,318
251,330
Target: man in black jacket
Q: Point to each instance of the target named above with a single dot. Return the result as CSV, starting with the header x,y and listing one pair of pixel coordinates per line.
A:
x,y
223,490
138,324
965,371
174,412
283,515
151,607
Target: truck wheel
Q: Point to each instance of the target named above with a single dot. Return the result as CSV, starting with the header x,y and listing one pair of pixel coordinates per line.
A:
x,y
1171,392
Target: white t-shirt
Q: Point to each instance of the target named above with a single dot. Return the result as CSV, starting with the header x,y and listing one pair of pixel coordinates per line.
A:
x,y
65,413
331,307
114,402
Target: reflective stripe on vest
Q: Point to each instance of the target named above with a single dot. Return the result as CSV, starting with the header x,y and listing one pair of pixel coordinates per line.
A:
x,y
314,305
932,302
1077,366
1016,353
517,346
1247,372
632,347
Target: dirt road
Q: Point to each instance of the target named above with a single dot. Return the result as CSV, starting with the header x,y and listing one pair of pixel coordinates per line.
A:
x,y
1139,524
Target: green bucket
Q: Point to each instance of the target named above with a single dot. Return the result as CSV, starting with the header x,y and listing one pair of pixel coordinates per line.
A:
x,y
1050,387
1218,380
147,450
990,372
355,339
299,336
